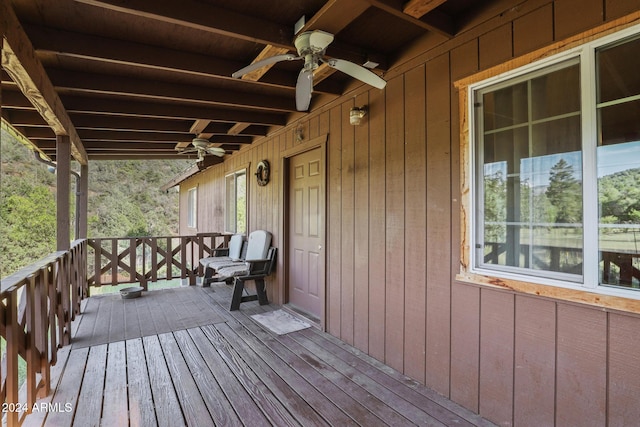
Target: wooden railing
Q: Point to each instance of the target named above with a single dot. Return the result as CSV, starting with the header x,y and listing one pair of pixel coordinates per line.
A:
x,y
37,305
115,261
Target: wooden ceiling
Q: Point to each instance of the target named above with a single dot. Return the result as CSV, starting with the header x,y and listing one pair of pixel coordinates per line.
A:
x,y
137,78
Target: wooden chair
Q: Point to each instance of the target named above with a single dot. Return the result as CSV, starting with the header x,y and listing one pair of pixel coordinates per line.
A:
x,y
256,270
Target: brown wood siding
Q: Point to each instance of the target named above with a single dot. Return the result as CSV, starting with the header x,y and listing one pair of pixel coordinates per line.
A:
x,y
393,230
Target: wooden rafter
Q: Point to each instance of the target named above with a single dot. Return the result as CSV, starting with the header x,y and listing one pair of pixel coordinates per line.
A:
x,y
21,63
439,23
79,82
419,8
267,52
89,105
205,17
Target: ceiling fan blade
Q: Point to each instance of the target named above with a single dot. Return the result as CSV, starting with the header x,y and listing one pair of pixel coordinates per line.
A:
x,y
216,151
304,87
358,72
320,39
268,61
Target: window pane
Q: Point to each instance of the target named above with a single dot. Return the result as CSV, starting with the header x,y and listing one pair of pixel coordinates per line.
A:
x,y
618,157
619,123
505,107
556,93
618,71
532,175
241,203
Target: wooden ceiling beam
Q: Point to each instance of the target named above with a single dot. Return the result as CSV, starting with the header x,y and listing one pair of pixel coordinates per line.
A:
x,y
419,8
135,87
237,128
141,124
95,105
335,15
205,17
436,22
20,61
109,135
102,49
267,52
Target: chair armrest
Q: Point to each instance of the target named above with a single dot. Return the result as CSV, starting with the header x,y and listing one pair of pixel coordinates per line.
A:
x,y
259,267
220,252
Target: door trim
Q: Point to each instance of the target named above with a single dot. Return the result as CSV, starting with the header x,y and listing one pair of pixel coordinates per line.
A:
x,y
321,143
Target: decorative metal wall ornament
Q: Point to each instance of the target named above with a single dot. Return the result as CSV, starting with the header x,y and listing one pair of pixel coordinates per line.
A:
x,y
262,173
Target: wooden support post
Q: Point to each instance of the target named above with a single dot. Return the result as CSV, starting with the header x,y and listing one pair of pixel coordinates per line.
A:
x,y
83,203
63,166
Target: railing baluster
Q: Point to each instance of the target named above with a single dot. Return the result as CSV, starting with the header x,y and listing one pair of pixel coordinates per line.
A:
x,y
114,261
42,327
169,259
154,259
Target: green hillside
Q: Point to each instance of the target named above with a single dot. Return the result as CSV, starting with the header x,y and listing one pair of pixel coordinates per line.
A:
x,y
124,200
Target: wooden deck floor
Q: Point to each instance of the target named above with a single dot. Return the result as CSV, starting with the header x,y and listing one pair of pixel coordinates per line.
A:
x,y
235,372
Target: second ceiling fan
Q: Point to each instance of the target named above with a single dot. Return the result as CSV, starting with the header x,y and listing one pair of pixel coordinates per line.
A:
x,y
311,46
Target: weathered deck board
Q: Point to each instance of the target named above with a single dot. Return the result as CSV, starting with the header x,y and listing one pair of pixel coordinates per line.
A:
x,y
140,412
233,372
115,406
89,402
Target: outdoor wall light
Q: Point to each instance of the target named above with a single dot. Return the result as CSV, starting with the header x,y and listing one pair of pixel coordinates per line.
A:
x,y
356,114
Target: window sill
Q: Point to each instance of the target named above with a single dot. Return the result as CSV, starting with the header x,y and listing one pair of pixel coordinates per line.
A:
x,y
601,298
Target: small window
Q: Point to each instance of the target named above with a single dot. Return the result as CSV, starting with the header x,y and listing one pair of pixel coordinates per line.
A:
x,y
192,207
236,202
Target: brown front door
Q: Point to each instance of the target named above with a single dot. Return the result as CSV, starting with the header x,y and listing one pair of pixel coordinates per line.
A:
x,y
306,233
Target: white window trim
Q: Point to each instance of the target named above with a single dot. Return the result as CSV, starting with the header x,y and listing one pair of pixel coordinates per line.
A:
x,y
584,47
240,171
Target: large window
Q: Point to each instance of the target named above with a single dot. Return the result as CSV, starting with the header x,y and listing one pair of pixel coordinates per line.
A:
x,y
557,169
236,202
192,207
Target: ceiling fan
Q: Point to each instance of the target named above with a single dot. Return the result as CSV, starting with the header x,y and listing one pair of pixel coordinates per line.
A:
x,y
311,46
202,147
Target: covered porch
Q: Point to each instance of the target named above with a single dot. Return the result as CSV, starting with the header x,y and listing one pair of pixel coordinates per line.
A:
x,y
231,371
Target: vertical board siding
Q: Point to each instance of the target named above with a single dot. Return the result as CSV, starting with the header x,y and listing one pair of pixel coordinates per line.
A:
x,y
624,370
581,366
496,356
395,170
361,232
534,377
347,226
377,221
415,224
334,221
393,240
438,223
465,345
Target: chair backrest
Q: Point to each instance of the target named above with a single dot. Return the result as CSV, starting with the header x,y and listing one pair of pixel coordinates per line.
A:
x,y
235,247
258,245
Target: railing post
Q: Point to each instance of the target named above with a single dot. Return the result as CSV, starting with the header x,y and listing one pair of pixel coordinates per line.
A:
x,y
11,385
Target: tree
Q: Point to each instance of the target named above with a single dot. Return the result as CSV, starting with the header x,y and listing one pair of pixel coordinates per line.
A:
x,y
565,193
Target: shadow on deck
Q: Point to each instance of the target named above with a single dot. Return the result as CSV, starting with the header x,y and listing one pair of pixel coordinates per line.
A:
x,y
179,357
